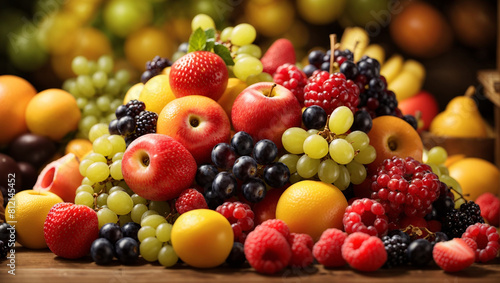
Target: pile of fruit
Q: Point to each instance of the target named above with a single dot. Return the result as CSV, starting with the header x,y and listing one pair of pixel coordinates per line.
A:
x,y
225,155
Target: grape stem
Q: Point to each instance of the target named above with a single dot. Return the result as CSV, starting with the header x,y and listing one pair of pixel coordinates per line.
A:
x,y
415,232
333,41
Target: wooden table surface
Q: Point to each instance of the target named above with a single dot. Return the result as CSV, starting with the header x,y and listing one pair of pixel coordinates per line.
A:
x,y
44,266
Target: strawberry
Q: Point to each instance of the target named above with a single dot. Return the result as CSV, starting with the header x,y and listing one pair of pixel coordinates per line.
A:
x,y
70,229
453,255
279,53
199,73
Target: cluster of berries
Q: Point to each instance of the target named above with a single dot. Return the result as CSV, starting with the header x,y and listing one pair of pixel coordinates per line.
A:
x,y
133,120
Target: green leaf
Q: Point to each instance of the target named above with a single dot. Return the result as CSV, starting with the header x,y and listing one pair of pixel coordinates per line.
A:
x,y
210,34
197,40
224,53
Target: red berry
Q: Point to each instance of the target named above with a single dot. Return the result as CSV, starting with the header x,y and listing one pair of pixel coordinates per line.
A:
x,y
486,238
278,225
301,246
364,252
453,255
328,250
293,78
490,208
267,250
200,72
190,199
367,216
330,91
70,229
241,217
279,53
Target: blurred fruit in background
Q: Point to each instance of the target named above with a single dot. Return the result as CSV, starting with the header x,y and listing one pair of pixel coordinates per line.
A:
x,y
364,13
146,43
321,12
123,17
270,18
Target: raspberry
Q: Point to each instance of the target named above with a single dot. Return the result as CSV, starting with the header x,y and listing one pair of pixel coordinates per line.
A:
x,y
328,250
293,78
241,217
190,199
364,252
301,246
330,91
490,208
405,187
367,216
278,225
453,255
486,238
267,250
145,123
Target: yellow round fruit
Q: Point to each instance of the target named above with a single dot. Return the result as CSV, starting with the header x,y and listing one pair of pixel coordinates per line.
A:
x,y
133,92
234,88
476,176
27,211
146,43
156,93
202,238
79,147
311,207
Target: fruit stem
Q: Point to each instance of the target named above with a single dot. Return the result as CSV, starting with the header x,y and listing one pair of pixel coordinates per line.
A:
x,y
271,91
470,91
326,133
333,41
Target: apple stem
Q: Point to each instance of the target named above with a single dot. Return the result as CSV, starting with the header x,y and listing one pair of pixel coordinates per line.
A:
x,y
333,41
271,91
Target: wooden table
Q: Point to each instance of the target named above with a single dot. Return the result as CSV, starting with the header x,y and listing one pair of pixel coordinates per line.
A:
x,y
44,266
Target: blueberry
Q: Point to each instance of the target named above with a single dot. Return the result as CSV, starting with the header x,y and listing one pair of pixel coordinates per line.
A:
x,y
316,57
127,250
111,231
420,252
309,70
349,69
102,251
236,257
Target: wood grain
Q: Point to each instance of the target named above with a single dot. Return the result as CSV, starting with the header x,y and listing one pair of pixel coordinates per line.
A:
x,y
43,266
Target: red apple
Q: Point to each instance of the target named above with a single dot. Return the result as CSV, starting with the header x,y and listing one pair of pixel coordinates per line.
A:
x,y
197,122
61,177
157,167
424,102
265,110
266,209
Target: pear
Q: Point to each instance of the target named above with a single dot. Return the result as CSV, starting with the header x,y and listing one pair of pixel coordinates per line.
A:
x,y
461,118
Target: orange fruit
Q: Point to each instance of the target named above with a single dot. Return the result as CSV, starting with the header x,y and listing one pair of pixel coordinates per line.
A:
x,y
27,210
146,43
234,88
311,207
476,176
15,94
53,113
133,92
79,147
157,93
202,238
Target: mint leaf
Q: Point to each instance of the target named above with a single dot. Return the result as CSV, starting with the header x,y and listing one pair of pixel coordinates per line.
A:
x,y
210,34
197,40
224,53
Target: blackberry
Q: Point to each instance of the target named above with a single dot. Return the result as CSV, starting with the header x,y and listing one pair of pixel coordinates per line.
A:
x,y
135,107
456,221
396,248
145,123
154,67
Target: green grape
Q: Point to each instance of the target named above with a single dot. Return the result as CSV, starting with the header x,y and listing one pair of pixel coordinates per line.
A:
x,y
86,181
114,104
434,168
328,171
105,64
69,84
153,220
343,180
116,189
312,132
80,66
341,120
293,140
92,67
243,34
146,232
167,256
97,131
96,157
241,56
99,79
91,109
85,198
86,123
424,155
137,212
124,219
225,34
290,160
120,202
357,172
113,87
103,103
366,156
84,164
73,89
358,139
103,146
163,232
307,167
102,199
99,188
118,143
148,213
138,199
81,102
294,178
262,77
122,76
246,67
437,155
105,215
149,248
250,49
85,86
117,156
115,169
341,151
315,146
162,207
457,189
443,170
97,172
202,21
85,188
